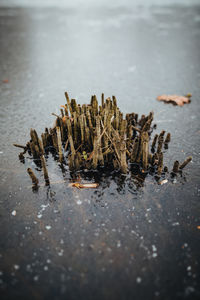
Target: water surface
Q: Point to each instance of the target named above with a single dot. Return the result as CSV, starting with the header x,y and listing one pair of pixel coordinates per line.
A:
x,y
120,241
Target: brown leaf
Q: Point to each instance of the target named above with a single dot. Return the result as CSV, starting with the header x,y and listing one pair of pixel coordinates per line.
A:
x,y
175,99
79,185
5,81
163,181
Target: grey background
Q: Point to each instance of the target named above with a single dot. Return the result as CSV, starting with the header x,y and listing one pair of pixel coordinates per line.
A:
x,y
123,240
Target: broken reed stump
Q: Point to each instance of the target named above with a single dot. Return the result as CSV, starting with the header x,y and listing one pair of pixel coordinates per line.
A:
x,y
184,164
34,179
177,167
92,136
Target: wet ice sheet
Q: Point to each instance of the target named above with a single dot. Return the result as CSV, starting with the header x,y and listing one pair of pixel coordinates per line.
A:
x,y
144,241
131,236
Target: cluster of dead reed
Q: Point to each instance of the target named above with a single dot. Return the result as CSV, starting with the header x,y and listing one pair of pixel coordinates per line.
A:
x,y
93,135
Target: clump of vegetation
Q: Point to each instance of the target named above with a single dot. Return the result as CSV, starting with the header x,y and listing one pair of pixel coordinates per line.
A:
x,y
92,136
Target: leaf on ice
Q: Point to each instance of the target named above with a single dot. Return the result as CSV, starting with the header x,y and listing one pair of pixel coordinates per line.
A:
x,y
79,185
175,99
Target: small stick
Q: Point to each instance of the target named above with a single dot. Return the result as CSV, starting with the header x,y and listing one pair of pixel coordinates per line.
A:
x,y
54,139
62,129
154,141
123,162
41,146
160,141
66,145
160,163
117,119
114,101
34,179
188,159
122,147
44,167
37,150
147,124
20,146
99,136
89,119
73,152
135,150
142,120
102,100
59,144
145,149
97,145
95,151
36,144
75,128
34,136
168,138
48,137
81,122
114,145
83,185
94,104
62,113
83,109
87,132
68,103
33,151
139,151
73,105
44,140
175,167
66,110
55,115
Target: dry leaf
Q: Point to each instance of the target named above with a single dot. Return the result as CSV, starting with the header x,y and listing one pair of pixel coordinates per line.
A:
x,y
79,185
175,99
5,81
163,181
